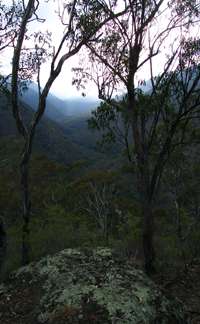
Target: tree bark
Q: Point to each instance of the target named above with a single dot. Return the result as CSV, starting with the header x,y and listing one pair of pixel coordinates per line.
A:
x,y
3,243
24,173
143,176
146,197
24,165
148,235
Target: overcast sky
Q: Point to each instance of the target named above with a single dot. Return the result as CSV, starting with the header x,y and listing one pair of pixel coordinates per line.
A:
x,y
62,87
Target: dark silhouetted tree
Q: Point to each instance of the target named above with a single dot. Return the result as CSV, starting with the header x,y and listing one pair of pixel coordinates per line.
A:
x,y
82,22
158,119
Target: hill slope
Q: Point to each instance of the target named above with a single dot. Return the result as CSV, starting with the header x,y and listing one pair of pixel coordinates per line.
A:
x,y
50,139
57,108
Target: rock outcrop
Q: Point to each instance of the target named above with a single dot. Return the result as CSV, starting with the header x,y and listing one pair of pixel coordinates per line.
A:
x,y
85,286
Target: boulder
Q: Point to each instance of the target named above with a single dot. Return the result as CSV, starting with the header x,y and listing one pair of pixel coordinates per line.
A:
x,y
85,286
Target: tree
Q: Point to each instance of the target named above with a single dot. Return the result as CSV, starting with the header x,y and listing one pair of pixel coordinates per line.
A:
x,y
181,179
99,204
112,120
3,242
82,20
9,16
9,26
158,119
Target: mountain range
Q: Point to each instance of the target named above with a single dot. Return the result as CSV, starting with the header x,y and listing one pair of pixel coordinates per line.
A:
x,y
57,108
62,134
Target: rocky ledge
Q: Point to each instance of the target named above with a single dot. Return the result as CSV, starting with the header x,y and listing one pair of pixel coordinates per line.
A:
x,y
85,286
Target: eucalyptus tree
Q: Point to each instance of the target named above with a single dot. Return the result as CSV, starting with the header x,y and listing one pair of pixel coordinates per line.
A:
x,y
82,22
98,203
150,32
112,121
9,26
9,15
3,242
181,177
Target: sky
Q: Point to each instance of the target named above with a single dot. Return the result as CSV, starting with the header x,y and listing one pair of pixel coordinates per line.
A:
x,y
62,86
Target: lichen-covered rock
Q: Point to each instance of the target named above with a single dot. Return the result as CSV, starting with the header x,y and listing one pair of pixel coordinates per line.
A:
x,y
90,286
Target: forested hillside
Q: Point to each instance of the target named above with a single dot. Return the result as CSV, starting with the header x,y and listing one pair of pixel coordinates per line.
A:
x,y
58,108
112,181
65,140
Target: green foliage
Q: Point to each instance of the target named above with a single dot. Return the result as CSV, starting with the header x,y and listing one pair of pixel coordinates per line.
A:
x,y
112,121
59,196
58,230
189,6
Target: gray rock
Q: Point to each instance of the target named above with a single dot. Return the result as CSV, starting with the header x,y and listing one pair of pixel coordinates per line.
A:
x,y
93,286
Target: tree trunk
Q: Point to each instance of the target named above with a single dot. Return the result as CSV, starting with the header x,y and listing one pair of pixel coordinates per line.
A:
x,y
148,234
146,197
139,132
3,243
24,169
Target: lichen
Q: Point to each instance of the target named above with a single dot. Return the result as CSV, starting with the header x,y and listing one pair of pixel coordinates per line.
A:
x,y
3,289
43,317
74,275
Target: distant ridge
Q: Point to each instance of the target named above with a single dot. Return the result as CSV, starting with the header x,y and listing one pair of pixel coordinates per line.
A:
x,y
57,108
50,137
64,143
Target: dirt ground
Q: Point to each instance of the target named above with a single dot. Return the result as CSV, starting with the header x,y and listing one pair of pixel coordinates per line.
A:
x,y
185,286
